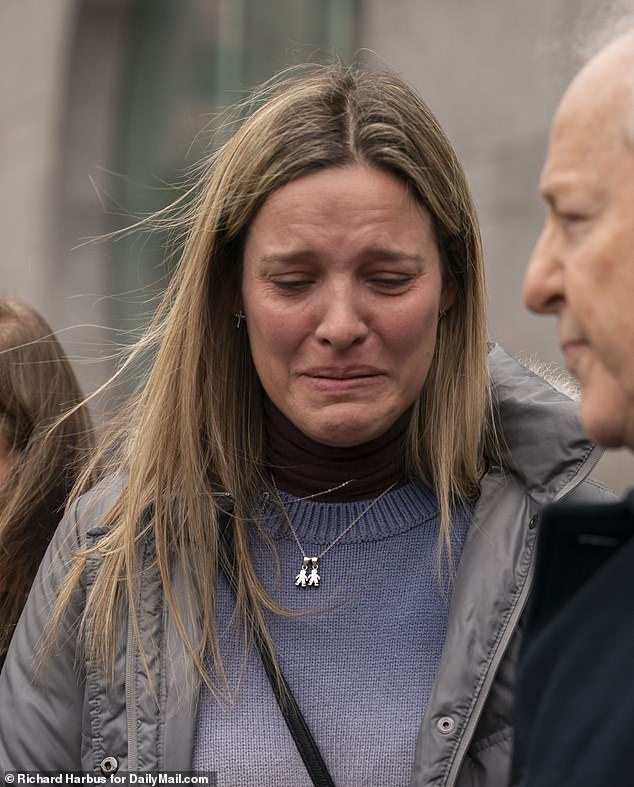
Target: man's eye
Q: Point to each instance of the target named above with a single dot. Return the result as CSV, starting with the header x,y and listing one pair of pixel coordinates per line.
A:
x,y
571,216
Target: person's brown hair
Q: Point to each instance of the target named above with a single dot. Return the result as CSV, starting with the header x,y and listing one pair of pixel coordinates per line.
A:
x,y
45,454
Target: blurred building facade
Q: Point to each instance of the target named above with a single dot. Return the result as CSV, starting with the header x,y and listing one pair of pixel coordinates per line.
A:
x,y
107,103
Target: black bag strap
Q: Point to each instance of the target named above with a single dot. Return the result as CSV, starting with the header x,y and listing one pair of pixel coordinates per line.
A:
x,y
293,716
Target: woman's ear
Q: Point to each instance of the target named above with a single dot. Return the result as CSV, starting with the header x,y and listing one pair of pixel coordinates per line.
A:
x,y
236,303
237,306
448,294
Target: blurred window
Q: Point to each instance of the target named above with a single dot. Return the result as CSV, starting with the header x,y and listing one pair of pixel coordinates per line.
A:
x,y
185,61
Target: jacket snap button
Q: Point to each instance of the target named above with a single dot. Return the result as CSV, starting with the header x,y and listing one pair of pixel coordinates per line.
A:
x,y
445,725
109,765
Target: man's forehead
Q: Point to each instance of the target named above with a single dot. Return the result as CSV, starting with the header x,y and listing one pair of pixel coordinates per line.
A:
x,y
573,154
589,129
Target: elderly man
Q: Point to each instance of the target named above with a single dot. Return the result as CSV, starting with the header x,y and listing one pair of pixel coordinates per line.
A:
x,y
575,689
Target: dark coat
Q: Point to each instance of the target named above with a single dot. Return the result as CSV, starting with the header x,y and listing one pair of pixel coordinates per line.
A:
x,y
575,688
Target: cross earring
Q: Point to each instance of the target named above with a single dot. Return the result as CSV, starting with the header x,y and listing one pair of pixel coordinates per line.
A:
x,y
239,317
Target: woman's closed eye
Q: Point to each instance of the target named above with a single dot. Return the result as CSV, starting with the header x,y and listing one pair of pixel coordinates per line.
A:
x,y
391,282
293,284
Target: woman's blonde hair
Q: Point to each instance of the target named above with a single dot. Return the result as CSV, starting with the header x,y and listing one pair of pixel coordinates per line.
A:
x,y
46,452
195,430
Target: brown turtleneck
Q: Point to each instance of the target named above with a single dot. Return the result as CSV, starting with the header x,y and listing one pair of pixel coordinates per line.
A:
x,y
302,467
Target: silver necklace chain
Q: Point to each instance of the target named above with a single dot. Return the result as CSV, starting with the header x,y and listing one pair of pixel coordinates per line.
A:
x,y
308,575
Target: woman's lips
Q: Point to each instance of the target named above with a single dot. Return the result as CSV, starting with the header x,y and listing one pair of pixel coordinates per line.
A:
x,y
331,379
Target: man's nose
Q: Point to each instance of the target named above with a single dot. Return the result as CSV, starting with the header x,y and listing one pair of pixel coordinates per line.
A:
x,y
543,281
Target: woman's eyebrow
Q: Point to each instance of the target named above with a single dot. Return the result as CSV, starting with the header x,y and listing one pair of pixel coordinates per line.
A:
x,y
395,255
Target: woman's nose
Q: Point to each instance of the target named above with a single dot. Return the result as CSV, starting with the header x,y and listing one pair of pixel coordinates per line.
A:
x,y
341,322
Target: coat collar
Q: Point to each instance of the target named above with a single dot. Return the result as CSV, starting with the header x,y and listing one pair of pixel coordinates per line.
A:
x,y
541,438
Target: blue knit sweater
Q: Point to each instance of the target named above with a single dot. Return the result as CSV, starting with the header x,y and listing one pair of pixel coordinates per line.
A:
x,y
361,664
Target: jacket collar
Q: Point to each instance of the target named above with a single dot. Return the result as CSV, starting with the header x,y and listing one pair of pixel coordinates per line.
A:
x,y
541,438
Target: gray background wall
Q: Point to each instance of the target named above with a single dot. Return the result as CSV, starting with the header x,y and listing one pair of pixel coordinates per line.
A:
x,y
491,70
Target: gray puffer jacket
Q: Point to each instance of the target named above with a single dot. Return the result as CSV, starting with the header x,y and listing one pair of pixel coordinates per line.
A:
x,y
65,718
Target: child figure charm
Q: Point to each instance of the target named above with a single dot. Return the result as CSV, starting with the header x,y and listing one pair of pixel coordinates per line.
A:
x,y
304,579
314,577
301,578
